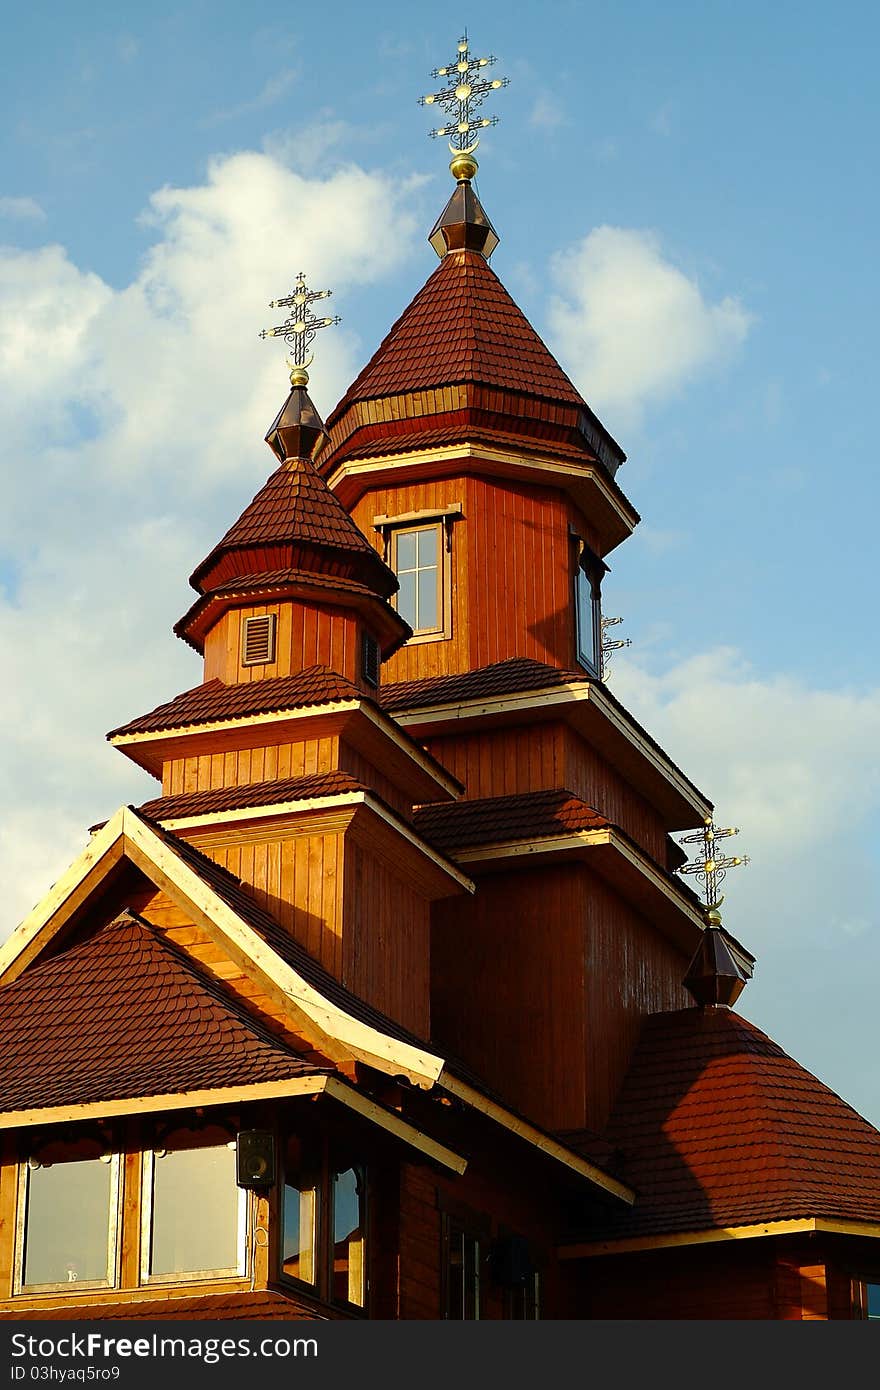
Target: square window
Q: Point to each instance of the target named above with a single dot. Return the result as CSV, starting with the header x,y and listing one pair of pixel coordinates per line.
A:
x,y
68,1235
193,1214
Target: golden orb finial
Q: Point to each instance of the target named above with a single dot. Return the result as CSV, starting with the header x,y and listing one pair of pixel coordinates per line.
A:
x,y
298,375
463,167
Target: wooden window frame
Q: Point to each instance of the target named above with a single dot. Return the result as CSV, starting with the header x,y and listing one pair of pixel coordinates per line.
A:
x,y
472,1228
589,569
322,1287
175,1277
443,519
114,1231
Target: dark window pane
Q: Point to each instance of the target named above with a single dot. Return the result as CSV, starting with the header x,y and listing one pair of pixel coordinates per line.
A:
x,y
67,1236
348,1236
873,1292
195,1211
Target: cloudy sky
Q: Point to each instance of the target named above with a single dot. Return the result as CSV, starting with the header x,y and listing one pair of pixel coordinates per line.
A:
x,y
687,204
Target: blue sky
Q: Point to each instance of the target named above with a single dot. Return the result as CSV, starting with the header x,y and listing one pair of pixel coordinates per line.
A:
x,y
687,201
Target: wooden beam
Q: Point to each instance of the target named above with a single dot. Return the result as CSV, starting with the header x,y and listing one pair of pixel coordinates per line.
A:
x,y
531,1135
175,1100
386,1119
631,1244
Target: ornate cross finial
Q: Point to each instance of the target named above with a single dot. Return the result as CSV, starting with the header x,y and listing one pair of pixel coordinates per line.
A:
x,y
713,866
465,93
299,330
609,646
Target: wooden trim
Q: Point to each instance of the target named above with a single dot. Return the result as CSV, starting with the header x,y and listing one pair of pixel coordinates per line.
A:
x,y
548,699
175,1100
551,1147
577,472
383,522
580,840
100,855
430,766
591,1249
394,1125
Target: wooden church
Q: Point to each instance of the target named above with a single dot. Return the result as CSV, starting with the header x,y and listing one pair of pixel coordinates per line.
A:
x,y
391,1002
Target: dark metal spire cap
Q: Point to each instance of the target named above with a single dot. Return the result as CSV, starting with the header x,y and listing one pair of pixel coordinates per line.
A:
x,y
463,224
719,971
297,432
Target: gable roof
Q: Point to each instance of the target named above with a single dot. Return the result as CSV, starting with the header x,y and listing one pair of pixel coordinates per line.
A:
x,y
718,1127
126,1014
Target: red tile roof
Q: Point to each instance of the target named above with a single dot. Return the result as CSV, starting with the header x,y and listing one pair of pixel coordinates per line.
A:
x,y
295,511
500,819
718,1127
517,675
317,685
126,1014
251,794
461,326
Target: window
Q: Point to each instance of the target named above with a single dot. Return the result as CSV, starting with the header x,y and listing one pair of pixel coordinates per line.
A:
x,y
462,1262
68,1223
524,1303
872,1301
589,571
417,560
193,1213
325,1223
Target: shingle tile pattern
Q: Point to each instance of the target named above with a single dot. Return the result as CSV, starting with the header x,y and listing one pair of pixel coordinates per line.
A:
x,y
273,793
512,677
316,685
719,1127
296,507
434,432
125,1014
501,819
262,1303
462,326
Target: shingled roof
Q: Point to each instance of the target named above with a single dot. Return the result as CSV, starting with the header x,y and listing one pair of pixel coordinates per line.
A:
x,y
125,1014
273,793
295,522
316,685
500,819
463,330
718,1127
518,674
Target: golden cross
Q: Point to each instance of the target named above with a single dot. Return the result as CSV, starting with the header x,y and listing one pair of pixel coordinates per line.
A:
x,y
299,330
465,92
713,867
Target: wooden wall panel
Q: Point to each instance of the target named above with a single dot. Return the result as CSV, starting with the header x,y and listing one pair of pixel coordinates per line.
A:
x,y
386,940
306,634
242,766
733,1280
351,761
574,972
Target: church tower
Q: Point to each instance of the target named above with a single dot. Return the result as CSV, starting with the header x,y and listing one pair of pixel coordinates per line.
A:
x,y
392,1001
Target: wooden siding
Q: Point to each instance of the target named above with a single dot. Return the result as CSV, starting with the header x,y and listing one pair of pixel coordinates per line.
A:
x,y
385,943
306,634
573,971
366,772
737,1281
540,756
512,572
237,767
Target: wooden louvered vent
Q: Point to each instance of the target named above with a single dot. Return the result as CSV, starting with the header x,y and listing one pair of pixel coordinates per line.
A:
x,y
371,659
258,640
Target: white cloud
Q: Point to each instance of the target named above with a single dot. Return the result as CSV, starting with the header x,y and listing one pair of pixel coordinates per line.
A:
x,y
547,114
21,210
272,90
131,426
630,325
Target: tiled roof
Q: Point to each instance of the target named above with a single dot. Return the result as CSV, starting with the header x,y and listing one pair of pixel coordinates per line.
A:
x,y
471,426
295,508
317,685
461,326
261,1303
718,1127
499,819
280,579
251,794
511,677
514,676
125,1014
